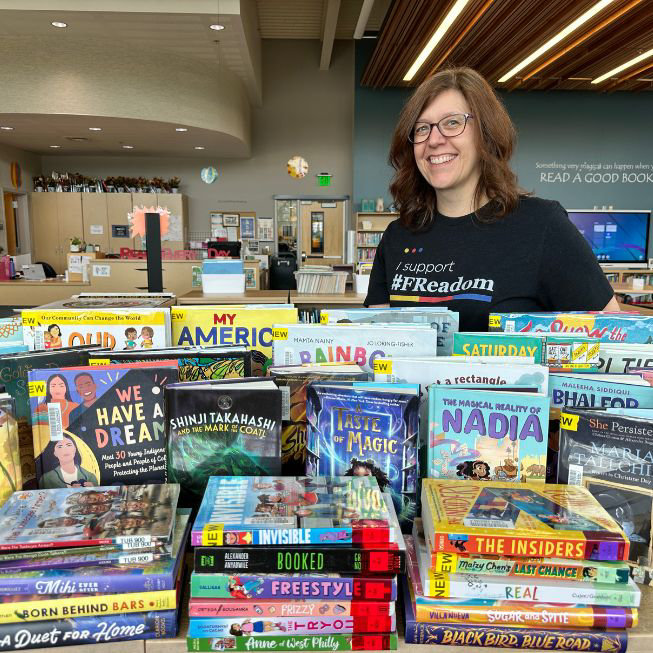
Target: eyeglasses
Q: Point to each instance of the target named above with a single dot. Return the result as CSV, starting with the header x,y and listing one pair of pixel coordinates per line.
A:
x,y
449,126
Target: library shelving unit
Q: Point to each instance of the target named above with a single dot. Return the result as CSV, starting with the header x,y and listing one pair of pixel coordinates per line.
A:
x,y
369,229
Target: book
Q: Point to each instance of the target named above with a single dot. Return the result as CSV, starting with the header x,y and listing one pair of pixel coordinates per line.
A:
x,y
366,429
289,608
444,321
195,363
11,331
159,575
133,517
487,434
559,521
117,328
510,613
612,456
616,358
230,428
293,380
643,372
13,375
208,627
100,425
89,300
11,478
314,343
333,642
248,326
606,327
263,511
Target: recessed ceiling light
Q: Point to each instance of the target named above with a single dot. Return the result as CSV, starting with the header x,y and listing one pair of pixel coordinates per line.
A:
x,y
199,147
57,23
95,129
127,147
217,27
56,147
181,129
7,128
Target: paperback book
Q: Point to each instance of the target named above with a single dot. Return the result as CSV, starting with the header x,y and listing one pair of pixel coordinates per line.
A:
x,y
10,473
333,642
134,300
284,607
11,331
616,358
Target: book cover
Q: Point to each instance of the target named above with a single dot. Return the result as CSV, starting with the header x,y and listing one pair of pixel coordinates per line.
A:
x,y
118,328
249,326
616,358
289,608
133,517
444,321
195,363
263,511
487,434
370,430
11,478
11,331
333,642
13,375
100,425
559,521
296,344
226,428
90,301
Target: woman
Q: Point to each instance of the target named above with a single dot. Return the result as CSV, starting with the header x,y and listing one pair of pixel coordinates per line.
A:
x,y
63,461
56,392
468,238
53,337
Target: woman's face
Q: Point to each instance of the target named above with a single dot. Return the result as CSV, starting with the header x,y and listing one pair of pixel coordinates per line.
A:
x,y
449,163
64,450
55,331
58,388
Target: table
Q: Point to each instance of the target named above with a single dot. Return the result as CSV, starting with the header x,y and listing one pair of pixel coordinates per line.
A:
x,y
197,297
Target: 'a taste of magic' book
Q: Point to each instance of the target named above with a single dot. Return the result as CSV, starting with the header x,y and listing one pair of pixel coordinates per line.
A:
x,y
100,425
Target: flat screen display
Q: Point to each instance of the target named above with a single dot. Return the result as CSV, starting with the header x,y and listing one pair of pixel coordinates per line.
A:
x,y
614,236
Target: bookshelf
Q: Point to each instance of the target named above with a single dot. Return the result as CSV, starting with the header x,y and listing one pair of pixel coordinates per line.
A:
x,y
369,229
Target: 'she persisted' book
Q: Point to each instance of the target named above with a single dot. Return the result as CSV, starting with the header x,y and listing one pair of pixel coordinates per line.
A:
x,y
132,517
293,381
263,511
525,520
100,425
366,429
484,434
227,428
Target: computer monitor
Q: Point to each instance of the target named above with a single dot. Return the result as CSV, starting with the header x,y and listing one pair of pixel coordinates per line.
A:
x,y
614,236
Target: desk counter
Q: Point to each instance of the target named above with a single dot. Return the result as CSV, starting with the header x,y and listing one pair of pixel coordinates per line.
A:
x,y
35,293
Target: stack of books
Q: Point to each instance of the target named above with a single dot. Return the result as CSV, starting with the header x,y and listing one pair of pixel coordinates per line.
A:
x,y
295,563
520,566
86,565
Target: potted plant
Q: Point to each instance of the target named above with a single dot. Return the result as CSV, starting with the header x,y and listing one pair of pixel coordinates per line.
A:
x,y
75,244
174,184
110,184
39,184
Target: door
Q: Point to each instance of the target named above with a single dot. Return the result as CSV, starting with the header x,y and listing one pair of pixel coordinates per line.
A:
x,y
45,229
10,224
71,224
96,224
322,232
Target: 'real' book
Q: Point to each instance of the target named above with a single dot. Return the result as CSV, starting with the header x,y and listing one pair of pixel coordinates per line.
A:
x,y
293,380
366,429
264,511
115,579
525,520
228,428
11,478
132,517
195,363
100,425
484,434
116,328
350,343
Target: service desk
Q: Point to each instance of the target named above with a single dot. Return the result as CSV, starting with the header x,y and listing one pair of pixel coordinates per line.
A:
x,y
197,297
25,294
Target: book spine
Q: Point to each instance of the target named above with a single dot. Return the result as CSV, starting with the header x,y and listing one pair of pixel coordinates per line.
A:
x,y
445,586
12,558
295,643
294,587
284,608
526,638
88,630
83,606
293,625
80,560
293,560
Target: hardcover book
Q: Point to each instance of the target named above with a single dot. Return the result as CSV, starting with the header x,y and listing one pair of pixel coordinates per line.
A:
x,y
11,331
90,301
226,428
366,429
100,425
558,521
10,473
487,434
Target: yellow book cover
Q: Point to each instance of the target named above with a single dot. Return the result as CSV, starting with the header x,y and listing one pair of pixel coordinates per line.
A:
x,y
524,520
246,325
85,606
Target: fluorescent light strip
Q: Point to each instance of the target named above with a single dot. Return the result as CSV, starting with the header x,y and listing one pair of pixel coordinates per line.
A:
x,y
442,29
563,34
628,64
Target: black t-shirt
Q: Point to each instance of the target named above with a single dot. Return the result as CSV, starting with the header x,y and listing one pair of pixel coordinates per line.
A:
x,y
533,259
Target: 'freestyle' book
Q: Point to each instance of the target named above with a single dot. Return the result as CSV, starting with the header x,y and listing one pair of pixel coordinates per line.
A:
x,y
100,425
222,428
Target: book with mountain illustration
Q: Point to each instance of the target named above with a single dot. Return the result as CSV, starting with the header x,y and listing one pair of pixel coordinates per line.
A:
x,y
100,425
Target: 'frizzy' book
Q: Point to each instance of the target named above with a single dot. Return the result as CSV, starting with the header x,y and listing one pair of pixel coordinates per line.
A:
x,y
289,608
525,520
366,429
135,516
275,510
314,343
117,328
100,425
487,434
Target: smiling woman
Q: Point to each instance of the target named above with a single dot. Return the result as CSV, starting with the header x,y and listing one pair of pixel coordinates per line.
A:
x,y
468,237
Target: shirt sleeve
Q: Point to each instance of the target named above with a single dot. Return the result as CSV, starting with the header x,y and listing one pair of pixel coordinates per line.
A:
x,y
570,277
377,291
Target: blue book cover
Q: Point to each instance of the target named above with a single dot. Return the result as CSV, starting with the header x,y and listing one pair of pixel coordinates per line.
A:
x,y
487,434
366,429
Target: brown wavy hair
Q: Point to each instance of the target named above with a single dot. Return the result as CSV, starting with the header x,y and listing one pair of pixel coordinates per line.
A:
x,y
414,197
